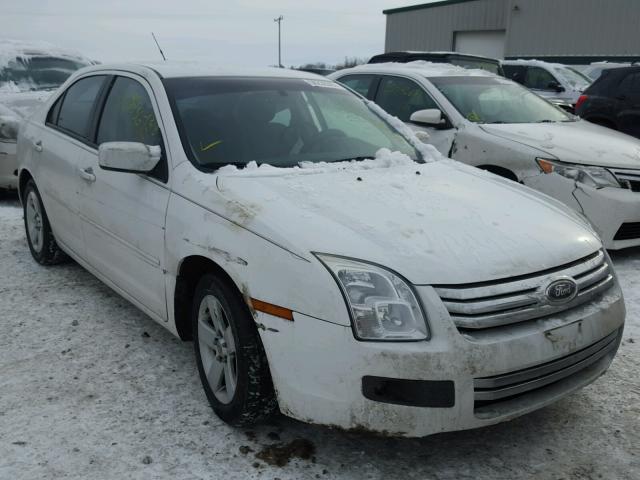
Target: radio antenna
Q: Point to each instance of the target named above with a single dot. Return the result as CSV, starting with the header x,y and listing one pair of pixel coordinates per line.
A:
x,y
158,45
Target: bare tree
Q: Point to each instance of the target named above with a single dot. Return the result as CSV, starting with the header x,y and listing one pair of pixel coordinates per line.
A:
x,y
350,62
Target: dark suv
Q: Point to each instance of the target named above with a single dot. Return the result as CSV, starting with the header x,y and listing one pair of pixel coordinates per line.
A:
x,y
454,58
614,100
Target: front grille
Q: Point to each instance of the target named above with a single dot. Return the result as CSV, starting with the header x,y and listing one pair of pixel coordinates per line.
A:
x,y
517,299
488,390
628,231
629,179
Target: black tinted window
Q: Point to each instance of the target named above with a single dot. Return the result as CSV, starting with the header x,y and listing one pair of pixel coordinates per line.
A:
x,y
631,84
401,97
359,83
514,72
75,112
128,115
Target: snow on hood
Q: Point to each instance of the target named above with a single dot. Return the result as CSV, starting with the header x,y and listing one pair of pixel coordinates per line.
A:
x,y
434,223
579,142
12,49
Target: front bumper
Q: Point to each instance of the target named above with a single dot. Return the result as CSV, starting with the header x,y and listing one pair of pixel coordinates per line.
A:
x,y
8,166
613,212
318,368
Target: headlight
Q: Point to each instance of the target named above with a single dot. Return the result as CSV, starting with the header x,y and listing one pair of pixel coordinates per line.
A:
x,y
597,177
382,305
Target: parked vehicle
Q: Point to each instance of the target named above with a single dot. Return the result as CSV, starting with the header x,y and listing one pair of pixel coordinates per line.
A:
x,y
613,101
319,266
28,75
497,125
453,58
595,70
560,84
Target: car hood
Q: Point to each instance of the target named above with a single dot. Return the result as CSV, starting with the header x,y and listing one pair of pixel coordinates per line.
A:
x,y
575,142
23,104
434,223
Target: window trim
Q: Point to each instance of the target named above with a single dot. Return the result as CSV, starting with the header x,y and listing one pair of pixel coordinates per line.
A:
x,y
86,141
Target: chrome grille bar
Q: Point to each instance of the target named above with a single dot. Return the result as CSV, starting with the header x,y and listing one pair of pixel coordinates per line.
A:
x,y
504,302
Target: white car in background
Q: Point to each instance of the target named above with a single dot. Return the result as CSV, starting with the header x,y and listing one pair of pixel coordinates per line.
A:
x,y
560,84
497,125
320,265
29,73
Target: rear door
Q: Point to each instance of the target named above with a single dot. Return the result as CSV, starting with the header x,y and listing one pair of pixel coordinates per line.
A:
x,y
123,214
60,148
628,98
401,97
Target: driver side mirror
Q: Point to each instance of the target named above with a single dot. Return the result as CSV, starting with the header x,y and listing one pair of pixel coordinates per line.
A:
x,y
555,86
132,157
431,117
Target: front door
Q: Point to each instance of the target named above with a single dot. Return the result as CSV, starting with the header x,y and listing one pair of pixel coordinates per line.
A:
x,y
123,213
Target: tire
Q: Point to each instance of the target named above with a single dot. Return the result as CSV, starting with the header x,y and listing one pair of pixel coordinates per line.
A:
x,y
42,243
231,360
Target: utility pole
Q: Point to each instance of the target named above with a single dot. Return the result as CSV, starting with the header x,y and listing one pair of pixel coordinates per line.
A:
x,y
279,20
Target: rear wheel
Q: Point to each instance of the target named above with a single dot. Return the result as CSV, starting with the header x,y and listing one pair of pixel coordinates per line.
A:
x,y
231,360
42,243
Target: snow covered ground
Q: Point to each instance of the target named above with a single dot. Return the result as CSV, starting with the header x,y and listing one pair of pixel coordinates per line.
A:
x,y
90,388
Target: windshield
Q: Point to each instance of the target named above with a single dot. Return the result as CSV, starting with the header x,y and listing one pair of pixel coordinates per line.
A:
x,y
492,67
574,78
496,100
281,122
37,72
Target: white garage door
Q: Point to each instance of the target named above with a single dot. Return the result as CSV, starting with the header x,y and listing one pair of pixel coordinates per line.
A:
x,y
488,43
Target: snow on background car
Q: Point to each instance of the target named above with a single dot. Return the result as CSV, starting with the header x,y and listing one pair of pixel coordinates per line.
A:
x,y
92,388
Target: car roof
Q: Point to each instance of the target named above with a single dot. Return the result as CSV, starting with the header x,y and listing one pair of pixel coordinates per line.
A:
x,y
435,54
537,63
420,68
174,69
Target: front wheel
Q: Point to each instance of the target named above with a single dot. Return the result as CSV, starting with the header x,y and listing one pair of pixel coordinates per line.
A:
x,y
42,243
231,360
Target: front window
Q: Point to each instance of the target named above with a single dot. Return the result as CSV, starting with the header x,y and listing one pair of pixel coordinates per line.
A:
x,y
281,122
574,78
495,100
37,72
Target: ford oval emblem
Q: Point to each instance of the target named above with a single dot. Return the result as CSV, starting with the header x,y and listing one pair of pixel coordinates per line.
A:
x,y
562,290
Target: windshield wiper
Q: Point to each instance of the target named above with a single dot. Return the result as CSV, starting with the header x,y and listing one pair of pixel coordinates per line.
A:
x,y
348,159
547,121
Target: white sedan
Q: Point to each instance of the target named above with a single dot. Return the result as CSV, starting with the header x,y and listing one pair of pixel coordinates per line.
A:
x,y
497,125
322,262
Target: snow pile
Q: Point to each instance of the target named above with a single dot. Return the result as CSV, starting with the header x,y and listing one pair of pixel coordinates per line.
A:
x,y
384,158
12,49
429,69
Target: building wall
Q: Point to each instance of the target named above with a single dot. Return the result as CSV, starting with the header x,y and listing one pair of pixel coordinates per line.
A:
x,y
574,28
432,28
535,28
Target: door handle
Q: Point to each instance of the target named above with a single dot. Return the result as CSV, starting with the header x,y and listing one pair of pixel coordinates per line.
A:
x,y
37,146
87,174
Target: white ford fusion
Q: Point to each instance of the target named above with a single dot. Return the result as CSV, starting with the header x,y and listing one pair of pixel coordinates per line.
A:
x,y
322,264
497,125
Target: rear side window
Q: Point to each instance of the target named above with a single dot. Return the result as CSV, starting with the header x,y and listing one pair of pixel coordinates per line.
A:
x,y
77,106
360,83
630,85
539,79
128,115
401,97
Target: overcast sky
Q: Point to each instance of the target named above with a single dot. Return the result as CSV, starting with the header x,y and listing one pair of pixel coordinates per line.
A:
x,y
240,32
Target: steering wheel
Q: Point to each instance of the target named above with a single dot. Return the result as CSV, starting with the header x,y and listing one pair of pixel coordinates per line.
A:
x,y
329,135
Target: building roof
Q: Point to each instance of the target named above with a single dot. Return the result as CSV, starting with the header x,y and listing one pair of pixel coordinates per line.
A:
x,y
422,6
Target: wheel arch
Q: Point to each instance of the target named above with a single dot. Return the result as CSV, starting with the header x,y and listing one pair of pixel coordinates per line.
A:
x,y
190,271
23,177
